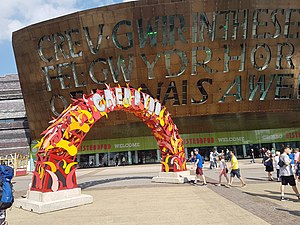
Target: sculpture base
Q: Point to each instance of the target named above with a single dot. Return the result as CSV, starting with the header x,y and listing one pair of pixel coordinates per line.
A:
x,y
39,202
172,177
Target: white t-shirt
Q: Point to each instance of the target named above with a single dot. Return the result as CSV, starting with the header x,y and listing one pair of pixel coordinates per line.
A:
x,y
276,160
286,170
211,157
222,164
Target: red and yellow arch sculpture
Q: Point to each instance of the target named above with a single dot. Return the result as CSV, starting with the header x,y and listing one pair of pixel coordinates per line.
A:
x,y
56,165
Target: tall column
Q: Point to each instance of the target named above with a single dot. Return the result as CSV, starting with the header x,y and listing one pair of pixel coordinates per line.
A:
x,y
136,157
129,158
244,151
234,150
158,155
97,159
31,164
15,164
186,153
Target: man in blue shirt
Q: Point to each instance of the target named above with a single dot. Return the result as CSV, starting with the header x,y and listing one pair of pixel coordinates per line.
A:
x,y
199,164
292,156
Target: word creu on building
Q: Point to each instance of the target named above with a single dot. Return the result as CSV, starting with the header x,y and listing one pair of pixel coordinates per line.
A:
x,y
181,52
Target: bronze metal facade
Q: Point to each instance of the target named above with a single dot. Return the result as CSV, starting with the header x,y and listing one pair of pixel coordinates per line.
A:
x,y
217,65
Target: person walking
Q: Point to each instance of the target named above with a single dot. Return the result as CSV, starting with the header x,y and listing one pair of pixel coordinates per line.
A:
x,y
276,160
286,173
227,155
117,160
296,155
199,167
223,171
268,163
273,151
222,153
192,159
235,170
123,160
211,160
215,156
252,156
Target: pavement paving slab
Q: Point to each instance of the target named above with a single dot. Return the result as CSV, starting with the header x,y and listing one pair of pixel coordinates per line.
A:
x,y
126,195
163,205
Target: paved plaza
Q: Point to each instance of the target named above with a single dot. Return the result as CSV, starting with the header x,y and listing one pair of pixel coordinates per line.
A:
x,y
126,195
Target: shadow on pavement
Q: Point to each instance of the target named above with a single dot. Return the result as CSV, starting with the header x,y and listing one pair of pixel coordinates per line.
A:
x,y
258,179
293,212
278,193
88,184
275,197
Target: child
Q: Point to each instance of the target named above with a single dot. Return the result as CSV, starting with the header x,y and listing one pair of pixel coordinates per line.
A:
x,y
223,170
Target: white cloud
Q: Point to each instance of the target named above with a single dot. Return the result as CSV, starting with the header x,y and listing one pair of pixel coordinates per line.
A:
x,y
15,14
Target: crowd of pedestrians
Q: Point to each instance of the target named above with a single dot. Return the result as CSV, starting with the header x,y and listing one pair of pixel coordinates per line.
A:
x,y
286,165
197,160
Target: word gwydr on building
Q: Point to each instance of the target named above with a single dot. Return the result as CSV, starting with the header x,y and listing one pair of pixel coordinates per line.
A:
x,y
227,70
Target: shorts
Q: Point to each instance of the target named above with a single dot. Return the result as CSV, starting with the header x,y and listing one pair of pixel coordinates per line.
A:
x,y
236,173
199,171
285,180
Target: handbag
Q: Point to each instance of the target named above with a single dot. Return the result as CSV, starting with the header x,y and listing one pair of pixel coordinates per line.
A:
x,y
226,170
281,163
268,163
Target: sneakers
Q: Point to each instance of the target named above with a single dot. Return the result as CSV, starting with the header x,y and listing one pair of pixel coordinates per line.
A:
x,y
283,199
218,185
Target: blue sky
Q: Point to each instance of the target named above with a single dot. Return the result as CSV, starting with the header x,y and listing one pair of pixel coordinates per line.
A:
x,y
16,14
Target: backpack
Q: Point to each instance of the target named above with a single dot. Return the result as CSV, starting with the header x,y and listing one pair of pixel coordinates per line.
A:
x,y
6,192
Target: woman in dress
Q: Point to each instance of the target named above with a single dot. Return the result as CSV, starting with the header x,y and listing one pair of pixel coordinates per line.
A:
x,y
268,162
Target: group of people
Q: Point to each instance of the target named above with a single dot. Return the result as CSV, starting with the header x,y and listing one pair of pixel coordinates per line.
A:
x,y
235,170
214,157
287,166
271,163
